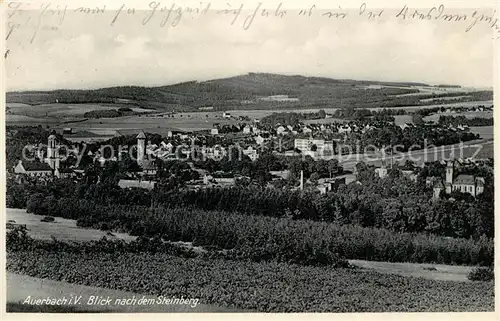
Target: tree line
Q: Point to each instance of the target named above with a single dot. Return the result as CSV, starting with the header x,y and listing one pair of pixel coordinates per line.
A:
x,y
394,203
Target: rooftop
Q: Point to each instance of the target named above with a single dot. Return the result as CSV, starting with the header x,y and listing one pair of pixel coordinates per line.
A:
x,y
36,166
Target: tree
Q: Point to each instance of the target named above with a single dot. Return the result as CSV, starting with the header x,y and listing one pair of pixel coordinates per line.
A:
x,y
417,119
314,178
333,167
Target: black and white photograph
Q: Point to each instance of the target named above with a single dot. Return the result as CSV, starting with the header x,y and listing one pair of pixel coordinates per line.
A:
x,y
248,157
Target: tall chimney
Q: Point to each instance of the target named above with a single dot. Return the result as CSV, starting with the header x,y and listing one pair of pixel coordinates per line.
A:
x,y
301,180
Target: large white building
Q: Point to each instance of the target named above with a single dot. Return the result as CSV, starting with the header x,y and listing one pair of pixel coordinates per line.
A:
x,y
319,147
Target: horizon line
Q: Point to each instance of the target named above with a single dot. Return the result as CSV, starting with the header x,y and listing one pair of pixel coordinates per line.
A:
x,y
415,83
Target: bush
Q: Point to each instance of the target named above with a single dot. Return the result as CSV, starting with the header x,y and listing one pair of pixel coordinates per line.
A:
x,y
481,274
49,219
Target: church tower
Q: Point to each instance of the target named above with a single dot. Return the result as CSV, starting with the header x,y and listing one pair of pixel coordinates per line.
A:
x,y
141,147
449,178
449,173
52,152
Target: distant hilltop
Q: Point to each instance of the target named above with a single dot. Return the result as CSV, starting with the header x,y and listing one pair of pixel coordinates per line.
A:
x,y
257,91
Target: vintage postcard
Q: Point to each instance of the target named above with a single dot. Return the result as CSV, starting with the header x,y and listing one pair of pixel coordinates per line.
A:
x,y
245,156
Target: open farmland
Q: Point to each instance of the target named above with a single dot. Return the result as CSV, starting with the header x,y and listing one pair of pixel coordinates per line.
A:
x,y
190,121
61,111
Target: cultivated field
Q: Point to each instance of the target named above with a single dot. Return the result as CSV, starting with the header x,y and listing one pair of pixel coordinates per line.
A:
x,y
66,230
57,116
61,111
265,286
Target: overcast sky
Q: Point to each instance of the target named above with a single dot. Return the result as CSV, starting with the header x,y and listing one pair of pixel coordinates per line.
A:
x,y
85,52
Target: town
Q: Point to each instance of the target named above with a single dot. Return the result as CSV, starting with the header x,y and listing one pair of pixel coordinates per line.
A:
x,y
278,136
227,158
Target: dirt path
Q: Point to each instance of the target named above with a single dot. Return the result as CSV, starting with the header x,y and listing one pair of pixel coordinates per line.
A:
x,y
426,271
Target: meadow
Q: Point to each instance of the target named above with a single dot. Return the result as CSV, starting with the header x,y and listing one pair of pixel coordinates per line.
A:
x,y
486,132
62,111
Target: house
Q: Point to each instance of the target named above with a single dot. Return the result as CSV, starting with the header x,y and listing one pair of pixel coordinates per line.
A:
x,y
65,173
33,169
404,126
251,153
344,129
226,115
438,187
281,174
280,130
130,183
148,167
166,146
259,140
330,184
323,188
67,131
291,153
247,129
381,171
468,184
432,180
306,130
256,130
349,178
408,171
217,152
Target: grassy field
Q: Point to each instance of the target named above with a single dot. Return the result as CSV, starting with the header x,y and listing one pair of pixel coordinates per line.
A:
x,y
486,132
60,111
56,116
62,229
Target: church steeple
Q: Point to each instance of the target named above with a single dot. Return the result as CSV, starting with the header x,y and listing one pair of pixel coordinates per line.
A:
x,y
141,147
52,152
449,172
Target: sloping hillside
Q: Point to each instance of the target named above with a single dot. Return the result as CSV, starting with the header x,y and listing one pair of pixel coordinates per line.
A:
x,y
249,92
